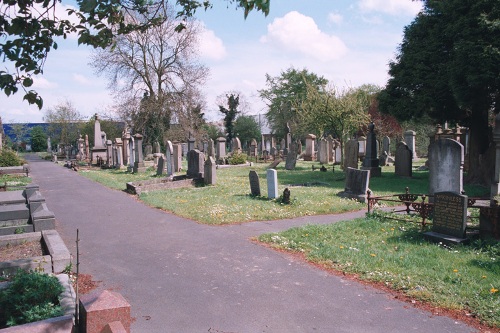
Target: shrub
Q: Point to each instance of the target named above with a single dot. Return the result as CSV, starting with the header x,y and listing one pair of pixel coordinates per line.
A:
x,y
237,158
9,158
31,296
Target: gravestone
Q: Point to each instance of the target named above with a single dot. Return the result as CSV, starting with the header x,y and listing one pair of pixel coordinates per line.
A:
x,y
99,150
291,157
299,147
362,147
119,153
177,157
351,154
446,161
139,157
403,160
161,166
253,148
449,217
331,149
324,148
109,154
253,177
210,176
309,154
148,150
131,157
156,148
386,145
196,161
272,183
190,144
236,143
286,196
49,144
410,141
356,184
371,161
274,164
210,148
169,158
338,152
220,148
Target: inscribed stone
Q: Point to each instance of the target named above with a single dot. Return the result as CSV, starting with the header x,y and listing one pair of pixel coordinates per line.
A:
x,y
254,183
272,183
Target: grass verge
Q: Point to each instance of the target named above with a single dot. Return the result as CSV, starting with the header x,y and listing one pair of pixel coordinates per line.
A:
x,y
395,253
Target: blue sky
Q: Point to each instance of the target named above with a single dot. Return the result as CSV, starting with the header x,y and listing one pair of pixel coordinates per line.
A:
x,y
348,42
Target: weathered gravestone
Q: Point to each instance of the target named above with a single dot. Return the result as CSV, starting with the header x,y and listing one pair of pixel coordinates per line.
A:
x,y
386,145
210,176
291,157
410,141
356,184
403,162
169,160
272,183
211,148
371,161
351,154
274,164
139,165
220,148
449,217
161,166
362,147
196,161
323,151
177,157
446,161
254,183
309,154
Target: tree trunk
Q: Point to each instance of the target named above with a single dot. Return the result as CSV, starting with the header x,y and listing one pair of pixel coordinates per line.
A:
x,y
480,167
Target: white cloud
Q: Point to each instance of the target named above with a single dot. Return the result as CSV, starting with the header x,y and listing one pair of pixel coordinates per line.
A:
x,y
82,79
392,7
211,46
42,83
335,18
299,33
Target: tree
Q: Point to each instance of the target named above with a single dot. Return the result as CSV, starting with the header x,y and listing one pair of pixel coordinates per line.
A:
x,y
31,27
20,132
110,125
213,131
38,139
246,128
448,67
156,69
230,115
64,122
341,113
284,95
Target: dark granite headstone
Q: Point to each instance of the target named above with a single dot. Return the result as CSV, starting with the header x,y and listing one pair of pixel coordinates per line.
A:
x,y
356,184
450,214
254,183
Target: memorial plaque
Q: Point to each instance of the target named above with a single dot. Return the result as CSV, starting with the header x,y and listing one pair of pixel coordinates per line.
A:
x,y
254,183
450,214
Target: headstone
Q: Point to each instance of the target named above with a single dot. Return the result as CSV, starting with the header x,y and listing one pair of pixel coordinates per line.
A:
x,y
177,157
291,157
220,148
272,183
338,152
148,150
351,154
191,143
49,144
286,196
446,160
210,176
253,148
331,149
362,147
119,153
299,147
410,141
309,155
449,217
324,147
196,161
403,160
236,145
109,153
169,158
356,184
125,140
131,156
99,149
161,166
254,183
211,148
87,147
386,145
138,158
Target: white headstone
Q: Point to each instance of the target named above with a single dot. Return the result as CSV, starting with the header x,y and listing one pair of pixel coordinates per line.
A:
x,y
272,183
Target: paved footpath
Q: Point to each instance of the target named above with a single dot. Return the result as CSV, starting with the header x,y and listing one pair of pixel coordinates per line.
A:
x,y
181,276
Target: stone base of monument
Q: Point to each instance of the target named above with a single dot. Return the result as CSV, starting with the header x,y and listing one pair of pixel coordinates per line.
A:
x,y
374,171
445,239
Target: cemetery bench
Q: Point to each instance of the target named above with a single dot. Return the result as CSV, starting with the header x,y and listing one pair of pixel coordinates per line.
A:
x,y
417,204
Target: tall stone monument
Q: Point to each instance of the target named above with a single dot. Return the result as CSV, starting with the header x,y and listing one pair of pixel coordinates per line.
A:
x,y
310,154
99,149
410,141
371,161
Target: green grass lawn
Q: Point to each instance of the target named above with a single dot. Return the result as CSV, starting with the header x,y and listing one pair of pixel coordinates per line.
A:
x,y
229,201
396,254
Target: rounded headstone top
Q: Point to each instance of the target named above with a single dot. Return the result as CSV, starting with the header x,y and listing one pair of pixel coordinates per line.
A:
x,y
410,132
221,139
311,136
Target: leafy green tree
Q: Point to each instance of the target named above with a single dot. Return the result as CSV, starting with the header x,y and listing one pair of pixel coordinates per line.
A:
x,y
63,121
448,67
284,95
38,139
341,113
246,128
31,28
20,132
230,114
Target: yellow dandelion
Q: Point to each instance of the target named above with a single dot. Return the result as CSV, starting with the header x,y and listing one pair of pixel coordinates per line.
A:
x,y
484,276
392,229
382,229
373,255
455,271
493,290
341,246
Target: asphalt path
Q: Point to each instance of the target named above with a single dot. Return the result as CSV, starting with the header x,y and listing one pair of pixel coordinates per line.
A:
x,y
182,276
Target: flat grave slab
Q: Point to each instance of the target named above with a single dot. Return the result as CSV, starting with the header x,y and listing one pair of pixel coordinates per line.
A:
x,y
12,197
